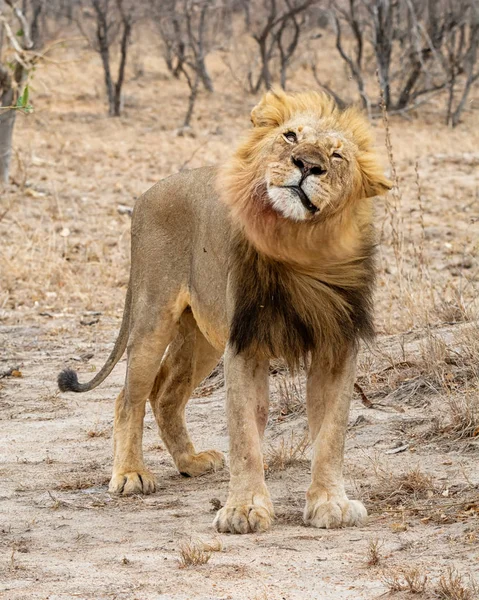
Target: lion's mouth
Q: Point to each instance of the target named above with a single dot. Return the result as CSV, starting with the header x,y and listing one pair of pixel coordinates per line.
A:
x,y
305,201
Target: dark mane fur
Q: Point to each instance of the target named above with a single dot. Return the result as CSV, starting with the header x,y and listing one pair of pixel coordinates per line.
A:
x,y
281,312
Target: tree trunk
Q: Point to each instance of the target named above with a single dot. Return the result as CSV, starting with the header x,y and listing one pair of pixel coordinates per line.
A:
x,y
203,73
35,33
125,39
7,121
265,74
105,59
192,100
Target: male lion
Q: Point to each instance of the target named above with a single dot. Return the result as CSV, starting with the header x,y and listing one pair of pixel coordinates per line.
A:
x,y
276,263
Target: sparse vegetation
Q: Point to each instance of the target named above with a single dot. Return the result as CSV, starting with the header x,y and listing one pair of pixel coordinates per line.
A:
x,y
408,579
453,586
290,395
460,421
82,482
288,451
95,433
195,553
403,489
374,557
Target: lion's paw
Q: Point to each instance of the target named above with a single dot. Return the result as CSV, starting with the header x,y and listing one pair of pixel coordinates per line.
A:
x,y
193,465
334,513
133,482
245,518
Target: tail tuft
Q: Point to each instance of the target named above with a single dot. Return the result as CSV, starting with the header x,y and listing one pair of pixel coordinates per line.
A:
x,y
68,381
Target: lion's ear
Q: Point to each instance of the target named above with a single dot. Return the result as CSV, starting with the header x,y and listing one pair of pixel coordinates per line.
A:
x,y
272,110
378,186
374,182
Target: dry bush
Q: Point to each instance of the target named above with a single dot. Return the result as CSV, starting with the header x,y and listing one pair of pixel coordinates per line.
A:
x,y
408,579
290,451
402,489
197,552
374,557
444,362
453,587
461,421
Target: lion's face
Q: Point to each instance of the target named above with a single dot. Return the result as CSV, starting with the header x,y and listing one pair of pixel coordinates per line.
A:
x,y
300,184
311,168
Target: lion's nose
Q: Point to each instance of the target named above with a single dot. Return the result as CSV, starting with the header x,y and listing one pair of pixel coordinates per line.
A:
x,y
307,167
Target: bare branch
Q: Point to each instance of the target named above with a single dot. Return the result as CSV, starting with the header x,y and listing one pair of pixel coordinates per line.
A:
x,y
27,41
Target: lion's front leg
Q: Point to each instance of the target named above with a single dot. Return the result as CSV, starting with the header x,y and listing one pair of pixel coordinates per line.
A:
x,y
329,392
249,506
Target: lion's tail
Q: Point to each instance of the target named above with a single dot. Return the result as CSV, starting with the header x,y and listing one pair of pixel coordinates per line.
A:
x,y
68,379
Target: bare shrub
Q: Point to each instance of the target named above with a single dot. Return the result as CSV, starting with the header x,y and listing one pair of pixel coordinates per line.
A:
x,y
276,27
113,20
190,30
419,49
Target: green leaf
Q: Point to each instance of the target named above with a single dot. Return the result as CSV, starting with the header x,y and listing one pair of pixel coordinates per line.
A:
x,y
20,33
22,100
26,93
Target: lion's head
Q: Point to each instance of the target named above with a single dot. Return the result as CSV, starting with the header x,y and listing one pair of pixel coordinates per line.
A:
x,y
303,165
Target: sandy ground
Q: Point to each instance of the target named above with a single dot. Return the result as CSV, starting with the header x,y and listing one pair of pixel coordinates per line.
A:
x,y
64,260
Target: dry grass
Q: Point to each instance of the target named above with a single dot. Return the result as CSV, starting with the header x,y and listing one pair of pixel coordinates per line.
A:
x,y
291,450
373,554
461,420
290,396
194,553
408,579
99,433
403,489
425,299
81,482
453,587
442,362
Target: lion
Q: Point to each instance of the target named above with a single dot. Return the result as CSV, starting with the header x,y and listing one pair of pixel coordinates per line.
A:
x,y
267,256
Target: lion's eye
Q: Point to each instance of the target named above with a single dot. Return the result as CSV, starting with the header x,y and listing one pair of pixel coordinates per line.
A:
x,y
290,136
337,155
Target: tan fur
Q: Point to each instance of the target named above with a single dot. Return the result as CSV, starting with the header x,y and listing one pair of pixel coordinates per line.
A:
x,y
279,264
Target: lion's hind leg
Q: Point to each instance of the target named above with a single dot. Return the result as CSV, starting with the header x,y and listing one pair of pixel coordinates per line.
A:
x,y
189,359
148,340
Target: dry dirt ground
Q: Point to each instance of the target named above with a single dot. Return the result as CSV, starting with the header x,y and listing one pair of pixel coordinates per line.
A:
x,y
412,453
